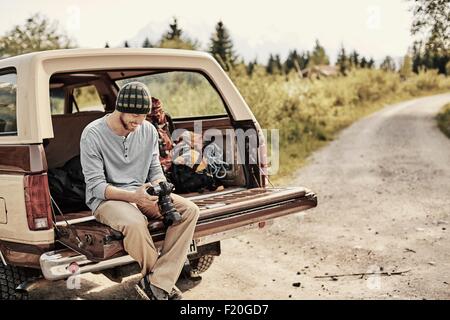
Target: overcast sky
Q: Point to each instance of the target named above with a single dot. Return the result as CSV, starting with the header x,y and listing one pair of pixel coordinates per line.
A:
x,y
374,27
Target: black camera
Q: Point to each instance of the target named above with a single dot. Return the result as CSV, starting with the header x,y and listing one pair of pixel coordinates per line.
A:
x,y
166,207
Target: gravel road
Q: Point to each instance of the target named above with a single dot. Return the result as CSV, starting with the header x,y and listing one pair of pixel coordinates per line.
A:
x,y
384,206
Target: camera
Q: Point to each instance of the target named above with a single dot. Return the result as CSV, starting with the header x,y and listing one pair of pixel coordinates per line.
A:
x,y
166,207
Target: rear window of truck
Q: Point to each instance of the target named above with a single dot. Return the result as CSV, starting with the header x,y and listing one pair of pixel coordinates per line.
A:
x,y
183,93
8,112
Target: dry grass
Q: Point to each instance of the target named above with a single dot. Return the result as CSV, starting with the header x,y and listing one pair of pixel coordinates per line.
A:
x,y
443,119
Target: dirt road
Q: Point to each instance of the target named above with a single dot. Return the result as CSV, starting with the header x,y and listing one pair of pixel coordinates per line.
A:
x,y
384,205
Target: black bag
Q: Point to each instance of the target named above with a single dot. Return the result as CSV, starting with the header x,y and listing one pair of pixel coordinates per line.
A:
x,y
67,186
186,179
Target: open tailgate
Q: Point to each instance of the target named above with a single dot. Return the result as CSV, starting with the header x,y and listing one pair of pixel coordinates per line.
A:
x,y
229,210
222,215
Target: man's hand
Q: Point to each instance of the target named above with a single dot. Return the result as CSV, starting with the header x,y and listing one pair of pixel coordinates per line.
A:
x,y
142,198
146,203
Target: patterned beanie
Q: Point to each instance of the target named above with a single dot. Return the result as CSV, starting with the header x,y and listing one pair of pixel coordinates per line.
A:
x,y
134,97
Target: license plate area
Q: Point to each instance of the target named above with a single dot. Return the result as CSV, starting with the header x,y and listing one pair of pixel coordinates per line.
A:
x,y
192,247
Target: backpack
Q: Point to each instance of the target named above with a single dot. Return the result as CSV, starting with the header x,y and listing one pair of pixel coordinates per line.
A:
x,y
164,125
190,171
186,179
67,186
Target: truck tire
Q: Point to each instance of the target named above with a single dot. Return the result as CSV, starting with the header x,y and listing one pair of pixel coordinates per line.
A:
x,y
10,278
202,264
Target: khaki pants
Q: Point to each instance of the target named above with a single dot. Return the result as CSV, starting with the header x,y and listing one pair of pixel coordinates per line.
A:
x,y
127,218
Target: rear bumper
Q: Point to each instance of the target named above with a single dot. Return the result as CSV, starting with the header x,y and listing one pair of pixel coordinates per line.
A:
x,y
62,264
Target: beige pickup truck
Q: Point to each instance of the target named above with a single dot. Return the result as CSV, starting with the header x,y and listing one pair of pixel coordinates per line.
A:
x,y
46,100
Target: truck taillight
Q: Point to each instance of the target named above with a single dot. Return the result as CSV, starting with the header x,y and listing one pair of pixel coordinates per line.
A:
x,y
37,202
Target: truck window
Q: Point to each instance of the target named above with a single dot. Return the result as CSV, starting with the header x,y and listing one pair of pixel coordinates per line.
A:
x,y
8,115
86,98
183,93
57,100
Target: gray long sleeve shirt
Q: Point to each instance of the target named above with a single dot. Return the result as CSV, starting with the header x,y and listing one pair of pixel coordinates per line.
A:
x,y
123,162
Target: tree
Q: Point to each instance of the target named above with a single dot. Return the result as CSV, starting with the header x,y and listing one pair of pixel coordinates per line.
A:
x,y
251,67
406,67
371,63
221,47
295,61
363,62
416,56
431,21
106,44
354,59
274,65
278,64
174,39
37,34
304,60
388,64
318,56
174,32
343,61
291,62
125,44
271,67
147,43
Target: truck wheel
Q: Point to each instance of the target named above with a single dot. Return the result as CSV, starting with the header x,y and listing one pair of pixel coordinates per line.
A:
x,y
202,264
10,278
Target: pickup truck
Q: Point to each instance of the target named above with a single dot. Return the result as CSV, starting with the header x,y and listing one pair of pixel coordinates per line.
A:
x,y
46,100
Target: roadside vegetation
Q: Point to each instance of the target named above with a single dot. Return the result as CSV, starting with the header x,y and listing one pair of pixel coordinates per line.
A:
x,y
443,119
310,112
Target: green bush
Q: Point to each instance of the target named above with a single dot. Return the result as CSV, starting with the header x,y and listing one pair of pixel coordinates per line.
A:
x,y
443,119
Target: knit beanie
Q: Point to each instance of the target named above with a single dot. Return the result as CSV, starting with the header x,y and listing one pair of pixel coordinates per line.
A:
x,y
134,97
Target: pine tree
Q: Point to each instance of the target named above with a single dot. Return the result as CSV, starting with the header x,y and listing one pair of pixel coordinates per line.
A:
x,y
251,67
363,63
270,65
221,47
417,56
278,64
174,33
343,61
318,56
107,45
304,60
274,65
354,59
174,39
125,44
292,62
147,43
371,63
